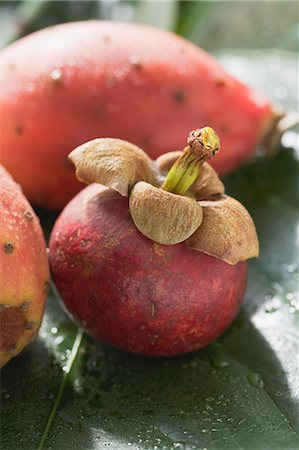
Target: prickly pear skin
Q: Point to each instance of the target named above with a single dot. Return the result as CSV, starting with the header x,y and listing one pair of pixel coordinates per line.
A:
x,y
24,275
73,82
132,293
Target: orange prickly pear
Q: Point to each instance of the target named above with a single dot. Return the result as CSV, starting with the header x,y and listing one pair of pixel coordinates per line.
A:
x,y
24,275
73,82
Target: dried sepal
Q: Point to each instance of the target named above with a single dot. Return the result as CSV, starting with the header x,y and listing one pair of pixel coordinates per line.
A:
x,y
161,216
165,202
114,163
208,184
227,231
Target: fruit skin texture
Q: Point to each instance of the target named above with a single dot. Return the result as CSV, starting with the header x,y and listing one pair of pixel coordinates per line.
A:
x,y
73,82
24,274
132,293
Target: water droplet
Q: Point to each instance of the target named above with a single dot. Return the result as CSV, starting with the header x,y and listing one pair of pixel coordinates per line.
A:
x,y
260,151
54,330
219,362
206,419
56,75
193,363
255,379
119,72
59,340
134,60
291,268
274,305
178,445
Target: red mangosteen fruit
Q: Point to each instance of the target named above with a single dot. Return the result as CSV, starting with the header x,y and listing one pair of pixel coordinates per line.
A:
x,y
151,257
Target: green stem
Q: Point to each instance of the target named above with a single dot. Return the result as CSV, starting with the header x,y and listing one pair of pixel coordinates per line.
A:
x,y
188,178
67,371
203,144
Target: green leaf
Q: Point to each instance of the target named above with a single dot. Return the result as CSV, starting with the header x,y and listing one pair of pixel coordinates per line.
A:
x,y
245,24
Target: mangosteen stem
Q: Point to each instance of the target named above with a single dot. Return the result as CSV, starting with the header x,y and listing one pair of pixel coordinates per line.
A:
x,y
203,144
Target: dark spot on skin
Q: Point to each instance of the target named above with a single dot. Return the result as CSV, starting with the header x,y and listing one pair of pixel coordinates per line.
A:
x,y
135,62
179,96
19,129
29,325
8,248
224,127
111,81
25,305
220,80
100,111
68,164
146,141
12,322
28,215
106,39
47,287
